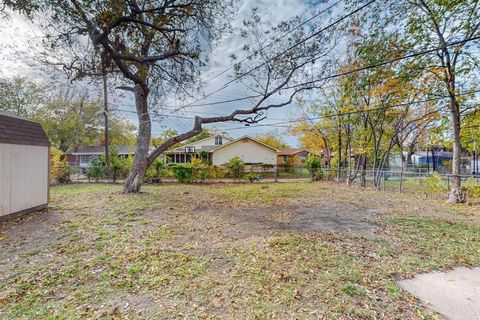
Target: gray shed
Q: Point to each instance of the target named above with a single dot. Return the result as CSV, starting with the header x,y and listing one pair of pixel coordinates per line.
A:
x,y
24,167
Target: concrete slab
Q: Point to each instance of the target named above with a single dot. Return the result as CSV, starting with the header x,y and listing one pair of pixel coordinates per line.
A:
x,y
454,294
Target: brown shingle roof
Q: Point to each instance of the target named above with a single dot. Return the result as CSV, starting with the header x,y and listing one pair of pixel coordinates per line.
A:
x,y
15,130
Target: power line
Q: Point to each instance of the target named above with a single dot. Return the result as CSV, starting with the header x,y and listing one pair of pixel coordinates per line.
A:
x,y
279,54
408,56
176,116
276,40
353,112
337,75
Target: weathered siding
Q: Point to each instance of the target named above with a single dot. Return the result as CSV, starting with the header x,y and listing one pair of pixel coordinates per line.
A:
x,y
248,150
23,177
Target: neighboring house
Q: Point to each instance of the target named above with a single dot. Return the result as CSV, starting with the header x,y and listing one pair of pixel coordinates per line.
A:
x,y
24,166
81,156
432,159
184,153
295,157
219,149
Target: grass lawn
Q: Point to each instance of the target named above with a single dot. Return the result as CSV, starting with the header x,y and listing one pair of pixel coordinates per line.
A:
x,y
286,250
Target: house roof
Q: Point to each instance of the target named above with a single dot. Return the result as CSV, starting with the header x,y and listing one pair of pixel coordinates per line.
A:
x,y
99,150
16,130
208,148
291,151
241,138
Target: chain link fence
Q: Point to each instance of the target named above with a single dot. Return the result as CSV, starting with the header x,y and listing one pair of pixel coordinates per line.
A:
x,y
435,185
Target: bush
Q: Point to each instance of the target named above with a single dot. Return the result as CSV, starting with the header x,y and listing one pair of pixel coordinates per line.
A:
x,y
183,172
473,192
201,170
96,169
203,156
217,172
59,171
118,165
252,177
156,169
447,164
314,166
434,183
236,166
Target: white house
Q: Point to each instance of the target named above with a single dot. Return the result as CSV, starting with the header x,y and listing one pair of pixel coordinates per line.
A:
x,y
219,149
24,167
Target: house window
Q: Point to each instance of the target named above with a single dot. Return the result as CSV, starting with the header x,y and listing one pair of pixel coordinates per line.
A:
x,y
85,158
285,158
218,141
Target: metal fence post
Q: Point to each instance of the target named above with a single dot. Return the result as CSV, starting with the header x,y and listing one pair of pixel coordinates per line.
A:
x,y
275,174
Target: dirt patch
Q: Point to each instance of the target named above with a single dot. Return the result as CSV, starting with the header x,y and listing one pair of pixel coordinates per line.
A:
x,y
321,218
247,222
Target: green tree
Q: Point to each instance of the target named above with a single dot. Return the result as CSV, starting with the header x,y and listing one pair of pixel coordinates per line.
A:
x,y
273,139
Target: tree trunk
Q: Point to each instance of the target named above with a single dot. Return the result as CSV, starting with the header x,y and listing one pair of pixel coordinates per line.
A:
x,y
140,165
456,194
339,169
410,153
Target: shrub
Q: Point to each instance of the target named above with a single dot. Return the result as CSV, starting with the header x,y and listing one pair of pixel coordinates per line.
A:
x,y
96,169
314,166
156,169
118,165
472,188
59,171
447,164
201,170
251,176
434,183
183,172
217,172
236,166
203,155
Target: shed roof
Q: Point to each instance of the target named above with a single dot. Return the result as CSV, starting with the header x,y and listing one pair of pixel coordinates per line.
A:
x,y
16,130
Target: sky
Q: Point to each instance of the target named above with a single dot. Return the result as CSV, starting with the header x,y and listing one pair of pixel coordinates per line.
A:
x,y
20,40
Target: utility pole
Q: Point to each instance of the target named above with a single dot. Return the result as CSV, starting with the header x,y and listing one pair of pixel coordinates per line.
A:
x,y
105,113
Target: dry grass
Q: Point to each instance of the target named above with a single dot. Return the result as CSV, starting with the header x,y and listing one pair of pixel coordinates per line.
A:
x,y
289,250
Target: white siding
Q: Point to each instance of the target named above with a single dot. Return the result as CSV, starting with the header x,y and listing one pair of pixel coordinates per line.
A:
x,y
23,177
248,150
